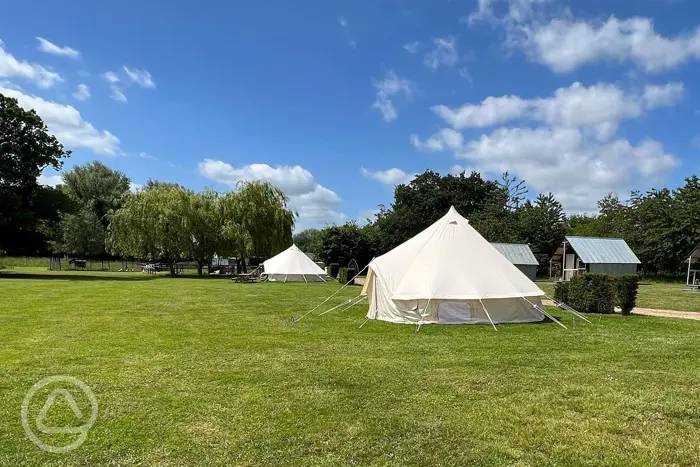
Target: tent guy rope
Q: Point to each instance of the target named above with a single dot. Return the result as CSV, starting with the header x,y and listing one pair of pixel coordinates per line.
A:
x,y
329,297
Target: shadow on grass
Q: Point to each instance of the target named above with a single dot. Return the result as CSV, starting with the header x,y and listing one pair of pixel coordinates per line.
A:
x,y
75,277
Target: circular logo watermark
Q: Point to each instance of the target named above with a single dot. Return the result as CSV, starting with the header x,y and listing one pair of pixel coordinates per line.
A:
x,y
65,387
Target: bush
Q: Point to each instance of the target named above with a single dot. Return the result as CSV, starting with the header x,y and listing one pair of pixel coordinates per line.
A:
x,y
343,275
625,288
589,293
561,292
333,269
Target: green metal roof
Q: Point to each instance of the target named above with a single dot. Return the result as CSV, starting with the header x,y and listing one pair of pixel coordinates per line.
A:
x,y
593,250
517,253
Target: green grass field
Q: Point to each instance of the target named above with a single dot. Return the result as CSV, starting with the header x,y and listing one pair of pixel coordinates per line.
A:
x,y
203,371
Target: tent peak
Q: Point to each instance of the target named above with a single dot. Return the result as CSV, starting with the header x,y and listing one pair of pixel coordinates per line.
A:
x,y
452,213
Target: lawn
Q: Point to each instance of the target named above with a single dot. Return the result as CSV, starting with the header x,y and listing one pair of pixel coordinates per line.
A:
x,y
661,295
203,371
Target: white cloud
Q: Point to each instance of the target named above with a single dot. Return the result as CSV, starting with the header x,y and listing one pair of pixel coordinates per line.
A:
x,y
117,94
513,11
82,92
10,67
446,139
564,44
135,187
141,77
50,180
316,204
578,169
444,53
599,108
387,89
412,47
342,22
662,96
66,123
391,177
491,111
53,49
111,77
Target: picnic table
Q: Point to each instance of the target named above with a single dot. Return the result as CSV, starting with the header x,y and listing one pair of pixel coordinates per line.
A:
x,y
246,277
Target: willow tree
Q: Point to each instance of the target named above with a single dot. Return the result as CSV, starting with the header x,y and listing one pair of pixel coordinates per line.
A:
x,y
256,221
152,225
204,218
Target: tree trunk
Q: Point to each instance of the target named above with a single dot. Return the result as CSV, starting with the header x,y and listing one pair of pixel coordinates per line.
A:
x,y
172,269
200,266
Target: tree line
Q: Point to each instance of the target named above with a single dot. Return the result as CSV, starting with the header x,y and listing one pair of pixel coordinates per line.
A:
x,y
661,225
94,214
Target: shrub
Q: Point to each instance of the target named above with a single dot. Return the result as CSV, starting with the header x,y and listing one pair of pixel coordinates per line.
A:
x,y
343,275
333,269
625,288
590,293
561,292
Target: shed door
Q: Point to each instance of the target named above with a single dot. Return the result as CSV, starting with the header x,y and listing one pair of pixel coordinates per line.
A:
x,y
570,261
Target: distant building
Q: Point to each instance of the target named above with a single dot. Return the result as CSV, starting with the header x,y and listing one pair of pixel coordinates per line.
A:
x,y
693,278
521,256
595,255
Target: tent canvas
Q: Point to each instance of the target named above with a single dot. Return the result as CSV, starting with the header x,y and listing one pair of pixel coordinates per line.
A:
x,y
449,274
292,265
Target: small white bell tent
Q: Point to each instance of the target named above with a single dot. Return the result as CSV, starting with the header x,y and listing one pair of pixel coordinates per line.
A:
x,y
449,274
292,265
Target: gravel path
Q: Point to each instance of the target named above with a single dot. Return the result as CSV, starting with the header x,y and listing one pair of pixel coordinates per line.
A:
x,y
654,312
667,313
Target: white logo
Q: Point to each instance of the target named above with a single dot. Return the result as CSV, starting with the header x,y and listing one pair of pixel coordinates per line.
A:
x,y
66,387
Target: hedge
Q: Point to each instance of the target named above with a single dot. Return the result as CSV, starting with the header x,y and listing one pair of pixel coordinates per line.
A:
x,y
587,293
626,292
598,293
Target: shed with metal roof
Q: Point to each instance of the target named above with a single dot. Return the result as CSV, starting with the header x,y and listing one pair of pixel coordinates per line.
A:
x,y
596,255
521,256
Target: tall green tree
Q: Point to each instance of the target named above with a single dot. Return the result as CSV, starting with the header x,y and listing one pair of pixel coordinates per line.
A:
x,y
428,197
153,225
309,241
26,149
205,223
340,244
257,221
98,192
542,224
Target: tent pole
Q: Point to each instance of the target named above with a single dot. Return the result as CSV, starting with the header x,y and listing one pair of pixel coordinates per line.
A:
x,y
304,276
563,263
363,323
687,281
542,310
327,298
566,307
488,315
285,278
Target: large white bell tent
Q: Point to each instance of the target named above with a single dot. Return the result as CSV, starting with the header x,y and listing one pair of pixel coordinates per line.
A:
x,y
293,265
450,274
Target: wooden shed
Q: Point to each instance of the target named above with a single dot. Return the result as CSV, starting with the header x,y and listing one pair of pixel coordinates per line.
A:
x,y
521,256
595,255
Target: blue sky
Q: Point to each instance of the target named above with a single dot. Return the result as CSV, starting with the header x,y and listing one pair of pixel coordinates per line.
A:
x,y
338,101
